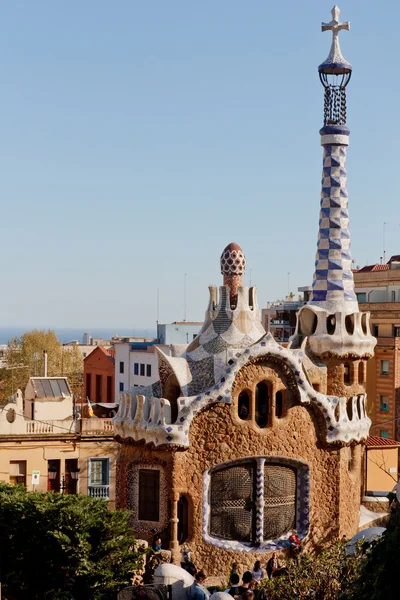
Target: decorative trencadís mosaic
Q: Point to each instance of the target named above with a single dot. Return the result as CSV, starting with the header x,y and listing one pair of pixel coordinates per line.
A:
x,y
132,487
148,418
333,285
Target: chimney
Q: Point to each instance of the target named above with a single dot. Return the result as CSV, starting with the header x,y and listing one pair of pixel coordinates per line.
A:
x,y
45,362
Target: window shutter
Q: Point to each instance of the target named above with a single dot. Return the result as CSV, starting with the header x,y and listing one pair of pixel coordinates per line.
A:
x,y
232,503
105,471
279,500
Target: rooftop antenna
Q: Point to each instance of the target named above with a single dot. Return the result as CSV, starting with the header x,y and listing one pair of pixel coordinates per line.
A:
x,y
184,296
384,241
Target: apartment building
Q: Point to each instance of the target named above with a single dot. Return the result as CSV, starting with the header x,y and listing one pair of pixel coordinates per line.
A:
x,y
46,445
378,291
279,318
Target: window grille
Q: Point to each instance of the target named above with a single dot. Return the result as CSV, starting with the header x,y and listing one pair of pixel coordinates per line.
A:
x,y
279,500
248,497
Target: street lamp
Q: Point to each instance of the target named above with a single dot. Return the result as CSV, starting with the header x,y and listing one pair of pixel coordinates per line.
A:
x,y
74,472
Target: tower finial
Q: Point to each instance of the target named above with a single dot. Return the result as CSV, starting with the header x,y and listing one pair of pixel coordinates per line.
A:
x,y
233,266
334,65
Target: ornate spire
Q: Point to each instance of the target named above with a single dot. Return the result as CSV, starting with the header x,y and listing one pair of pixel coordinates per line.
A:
x,y
333,286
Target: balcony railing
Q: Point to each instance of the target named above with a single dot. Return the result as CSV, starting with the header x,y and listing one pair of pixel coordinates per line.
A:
x,y
97,426
40,427
279,322
99,491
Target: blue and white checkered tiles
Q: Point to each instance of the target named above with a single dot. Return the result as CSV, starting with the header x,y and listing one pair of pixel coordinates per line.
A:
x,y
333,285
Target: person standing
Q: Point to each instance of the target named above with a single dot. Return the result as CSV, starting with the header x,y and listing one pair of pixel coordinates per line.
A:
x,y
258,572
197,591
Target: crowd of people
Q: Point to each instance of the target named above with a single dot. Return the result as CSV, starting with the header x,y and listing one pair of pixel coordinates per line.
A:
x,y
242,588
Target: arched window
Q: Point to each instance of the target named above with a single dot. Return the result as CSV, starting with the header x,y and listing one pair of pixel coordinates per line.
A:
x,y
361,372
172,391
244,405
255,501
346,374
262,404
350,408
183,516
279,405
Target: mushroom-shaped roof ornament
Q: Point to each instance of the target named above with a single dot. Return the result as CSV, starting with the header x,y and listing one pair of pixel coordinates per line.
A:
x,y
233,266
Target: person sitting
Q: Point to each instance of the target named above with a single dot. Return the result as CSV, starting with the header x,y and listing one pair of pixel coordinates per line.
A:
x,y
294,545
258,572
188,566
197,591
157,544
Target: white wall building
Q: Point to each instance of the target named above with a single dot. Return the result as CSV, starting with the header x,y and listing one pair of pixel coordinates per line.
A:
x,y
136,364
178,332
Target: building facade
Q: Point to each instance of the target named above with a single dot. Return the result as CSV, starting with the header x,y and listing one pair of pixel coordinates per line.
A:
x,y
136,364
99,376
56,450
279,318
178,332
378,292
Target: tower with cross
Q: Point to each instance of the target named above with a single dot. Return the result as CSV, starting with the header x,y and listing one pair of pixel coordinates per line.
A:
x,y
332,322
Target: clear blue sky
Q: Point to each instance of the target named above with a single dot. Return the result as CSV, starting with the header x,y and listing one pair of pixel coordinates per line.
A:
x,y
139,138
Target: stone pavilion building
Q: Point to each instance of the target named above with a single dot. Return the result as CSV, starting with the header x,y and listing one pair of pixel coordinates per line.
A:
x,y
241,440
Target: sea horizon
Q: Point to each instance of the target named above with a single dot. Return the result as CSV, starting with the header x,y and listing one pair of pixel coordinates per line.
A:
x,y
71,334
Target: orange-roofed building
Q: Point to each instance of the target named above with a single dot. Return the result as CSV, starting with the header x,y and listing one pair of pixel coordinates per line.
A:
x,y
99,371
378,292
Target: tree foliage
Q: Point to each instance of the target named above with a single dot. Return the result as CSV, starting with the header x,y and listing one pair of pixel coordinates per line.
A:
x,y
325,576
62,546
24,358
378,580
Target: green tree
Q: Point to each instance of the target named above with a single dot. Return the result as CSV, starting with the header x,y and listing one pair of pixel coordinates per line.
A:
x,y
52,545
325,576
378,577
25,358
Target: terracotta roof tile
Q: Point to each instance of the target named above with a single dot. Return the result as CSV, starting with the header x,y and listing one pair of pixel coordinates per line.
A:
x,y
377,267
374,441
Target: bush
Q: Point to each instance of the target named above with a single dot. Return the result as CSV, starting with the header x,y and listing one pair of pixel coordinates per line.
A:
x,y
325,576
62,546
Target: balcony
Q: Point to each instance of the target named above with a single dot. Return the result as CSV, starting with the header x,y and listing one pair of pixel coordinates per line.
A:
x,y
97,426
101,492
55,427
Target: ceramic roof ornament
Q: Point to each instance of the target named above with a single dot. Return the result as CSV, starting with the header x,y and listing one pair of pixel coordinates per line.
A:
x,y
335,63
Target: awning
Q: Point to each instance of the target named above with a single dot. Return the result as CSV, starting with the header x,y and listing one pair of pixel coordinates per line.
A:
x,y
105,404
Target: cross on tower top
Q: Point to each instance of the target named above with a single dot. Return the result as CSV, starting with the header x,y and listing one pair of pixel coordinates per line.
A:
x,y
335,63
335,25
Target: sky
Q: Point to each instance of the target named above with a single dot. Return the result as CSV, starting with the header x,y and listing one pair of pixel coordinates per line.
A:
x,y
139,138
